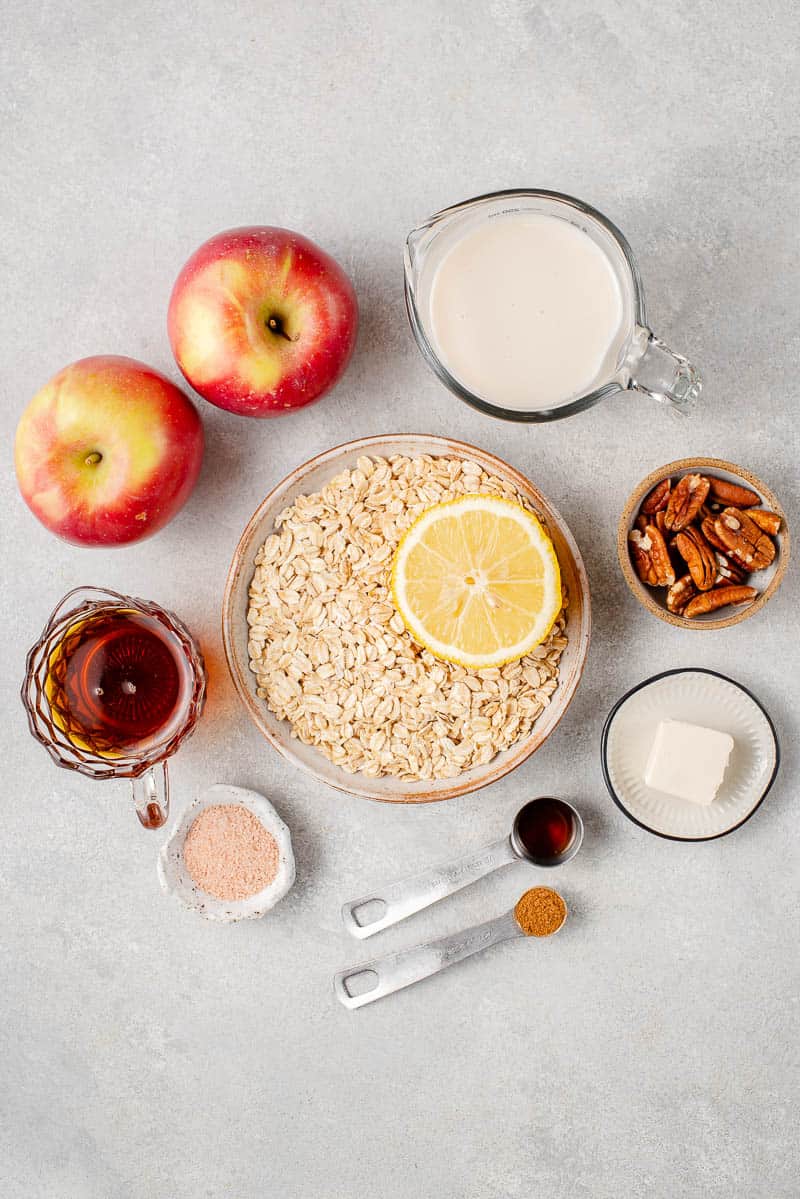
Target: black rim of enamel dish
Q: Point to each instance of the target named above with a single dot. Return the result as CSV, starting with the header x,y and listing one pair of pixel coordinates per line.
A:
x,y
654,679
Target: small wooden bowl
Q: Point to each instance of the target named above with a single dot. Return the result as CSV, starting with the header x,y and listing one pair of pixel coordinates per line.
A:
x,y
767,581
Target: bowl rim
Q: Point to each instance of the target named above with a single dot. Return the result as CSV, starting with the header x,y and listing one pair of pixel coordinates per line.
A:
x,y
654,678
517,754
683,466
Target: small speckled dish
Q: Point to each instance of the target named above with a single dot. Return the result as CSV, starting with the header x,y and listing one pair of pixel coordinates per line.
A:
x,y
176,880
766,581
700,697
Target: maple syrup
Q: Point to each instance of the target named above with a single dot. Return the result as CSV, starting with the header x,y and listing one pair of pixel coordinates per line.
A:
x,y
118,681
545,829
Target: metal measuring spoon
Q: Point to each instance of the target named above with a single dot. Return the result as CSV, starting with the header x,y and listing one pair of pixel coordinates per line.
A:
x,y
372,980
539,826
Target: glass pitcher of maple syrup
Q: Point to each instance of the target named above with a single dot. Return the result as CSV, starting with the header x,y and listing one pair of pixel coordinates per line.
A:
x,y
113,687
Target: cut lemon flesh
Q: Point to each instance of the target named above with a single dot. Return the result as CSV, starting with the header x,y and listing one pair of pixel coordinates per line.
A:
x,y
476,581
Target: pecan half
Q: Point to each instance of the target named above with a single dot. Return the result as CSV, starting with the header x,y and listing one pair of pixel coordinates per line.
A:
x,y
651,557
685,501
658,498
767,521
661,556
720,597
661,521
710,534
680,594
699,557
641,522
731,494
728,571
748,545
640,545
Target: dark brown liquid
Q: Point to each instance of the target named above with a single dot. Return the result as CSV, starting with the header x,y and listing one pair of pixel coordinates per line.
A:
x,y
117,680
545,827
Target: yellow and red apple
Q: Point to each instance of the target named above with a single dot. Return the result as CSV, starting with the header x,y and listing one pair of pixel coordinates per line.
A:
x,y
262,321
108,451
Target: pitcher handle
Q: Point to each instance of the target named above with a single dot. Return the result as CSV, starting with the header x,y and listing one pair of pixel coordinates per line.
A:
x,y
151,796
654,370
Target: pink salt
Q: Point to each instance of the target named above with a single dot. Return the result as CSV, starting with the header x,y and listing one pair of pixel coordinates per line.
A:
x,y
228,852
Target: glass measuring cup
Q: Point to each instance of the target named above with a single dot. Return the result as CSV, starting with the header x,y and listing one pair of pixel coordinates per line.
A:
x,y
112,688
546,832
638,361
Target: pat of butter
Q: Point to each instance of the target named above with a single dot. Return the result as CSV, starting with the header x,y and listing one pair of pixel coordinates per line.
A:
x,y
688,761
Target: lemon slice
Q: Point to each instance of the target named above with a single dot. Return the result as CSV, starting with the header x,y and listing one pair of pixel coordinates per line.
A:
x,y
476,581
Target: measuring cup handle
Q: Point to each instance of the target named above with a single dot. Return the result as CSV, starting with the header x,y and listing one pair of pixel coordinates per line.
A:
x,y
368,915
151,796
401,969
654,370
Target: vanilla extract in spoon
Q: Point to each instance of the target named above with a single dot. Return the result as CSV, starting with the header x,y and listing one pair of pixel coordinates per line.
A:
x,y
546,828
546,832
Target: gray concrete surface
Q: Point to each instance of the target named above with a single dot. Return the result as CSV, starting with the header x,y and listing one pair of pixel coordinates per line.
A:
x,y
653,1049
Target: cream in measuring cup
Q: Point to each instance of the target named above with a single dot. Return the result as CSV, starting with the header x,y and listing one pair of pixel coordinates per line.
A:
x,y
527,310
529,305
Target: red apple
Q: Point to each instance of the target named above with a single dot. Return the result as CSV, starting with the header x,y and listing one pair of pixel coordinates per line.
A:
x,y
262,321
108,451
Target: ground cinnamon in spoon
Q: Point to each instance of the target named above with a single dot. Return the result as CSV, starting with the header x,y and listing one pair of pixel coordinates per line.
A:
x,y
540,912
228,852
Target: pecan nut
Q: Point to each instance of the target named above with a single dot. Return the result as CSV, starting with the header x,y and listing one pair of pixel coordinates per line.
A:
x,y
768,522
686,499
710,534
680,594
720,597
651,557
728,572
731,495
640,545
658,498
744,541
699,557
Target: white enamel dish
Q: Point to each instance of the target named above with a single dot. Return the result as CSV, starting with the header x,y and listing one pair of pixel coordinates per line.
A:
x,y
700,697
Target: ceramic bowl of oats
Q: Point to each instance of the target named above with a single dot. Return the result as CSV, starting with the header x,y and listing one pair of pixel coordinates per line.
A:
x,y
322,660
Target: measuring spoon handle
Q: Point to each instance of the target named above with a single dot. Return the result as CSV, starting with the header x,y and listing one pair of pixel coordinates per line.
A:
x,y
400,970
368,915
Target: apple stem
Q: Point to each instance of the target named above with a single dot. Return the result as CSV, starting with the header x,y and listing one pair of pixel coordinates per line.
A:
x,y
275,324
94,458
